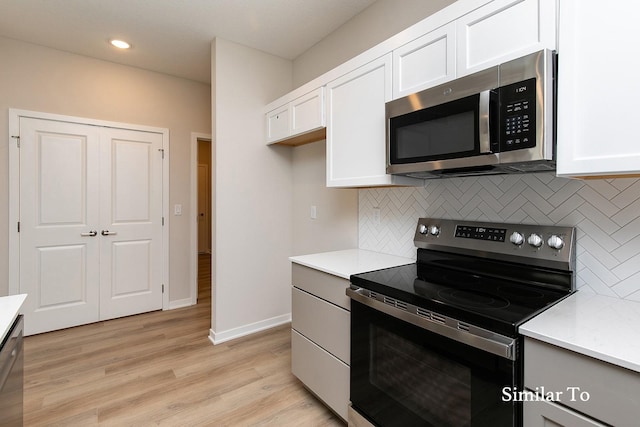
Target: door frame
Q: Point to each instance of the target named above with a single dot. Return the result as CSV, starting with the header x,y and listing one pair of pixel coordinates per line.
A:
x,y
14,188
193,252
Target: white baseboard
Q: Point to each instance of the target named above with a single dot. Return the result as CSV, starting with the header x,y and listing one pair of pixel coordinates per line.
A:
x,y
180,303
252,328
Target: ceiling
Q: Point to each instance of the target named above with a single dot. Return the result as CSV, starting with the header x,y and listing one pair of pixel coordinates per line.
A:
x,y
174,36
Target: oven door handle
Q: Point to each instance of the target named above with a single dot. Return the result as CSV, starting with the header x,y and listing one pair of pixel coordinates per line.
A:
x,y
476,337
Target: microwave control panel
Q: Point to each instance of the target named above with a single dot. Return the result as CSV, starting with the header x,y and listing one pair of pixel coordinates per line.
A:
x,y
518,115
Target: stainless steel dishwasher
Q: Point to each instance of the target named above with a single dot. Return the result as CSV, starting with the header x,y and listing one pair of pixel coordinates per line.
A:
x,y
12,376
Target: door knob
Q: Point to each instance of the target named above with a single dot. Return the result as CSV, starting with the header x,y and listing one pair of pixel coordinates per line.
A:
x,y
108,233
89,234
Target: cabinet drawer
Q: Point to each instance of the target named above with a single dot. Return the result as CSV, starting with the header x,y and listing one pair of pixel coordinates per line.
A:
x,y
614,392
326,376
326,286
323,323
548,414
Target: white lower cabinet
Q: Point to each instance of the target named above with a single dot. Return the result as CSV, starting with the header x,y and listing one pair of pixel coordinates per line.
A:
x,y
320,336
579,390
322,373
356,143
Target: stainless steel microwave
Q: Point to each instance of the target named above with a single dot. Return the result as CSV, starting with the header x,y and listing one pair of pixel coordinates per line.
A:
x,y
500,120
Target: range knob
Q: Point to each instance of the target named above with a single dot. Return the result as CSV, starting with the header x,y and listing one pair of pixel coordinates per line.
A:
x,y
535,240
434,230
423,229
555,242
516,238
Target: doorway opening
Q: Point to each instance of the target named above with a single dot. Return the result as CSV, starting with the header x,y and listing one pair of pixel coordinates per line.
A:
x,y
202,189
204,216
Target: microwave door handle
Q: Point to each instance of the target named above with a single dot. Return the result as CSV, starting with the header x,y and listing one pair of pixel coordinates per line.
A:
x,y
484,114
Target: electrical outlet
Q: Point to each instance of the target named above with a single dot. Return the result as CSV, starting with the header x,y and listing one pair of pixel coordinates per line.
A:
x,y
376,216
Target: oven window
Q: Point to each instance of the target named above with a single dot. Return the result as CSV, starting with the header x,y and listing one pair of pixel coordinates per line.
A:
x,y
441,132
437,137
420,379
403,375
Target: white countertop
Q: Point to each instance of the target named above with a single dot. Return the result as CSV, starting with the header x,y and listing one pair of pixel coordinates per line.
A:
x,y
350,261
601,327
9,309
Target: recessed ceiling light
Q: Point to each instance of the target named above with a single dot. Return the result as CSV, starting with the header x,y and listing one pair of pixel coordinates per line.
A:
x,y
120,44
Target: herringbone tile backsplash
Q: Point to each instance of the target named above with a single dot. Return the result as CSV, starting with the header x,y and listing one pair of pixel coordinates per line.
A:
x,y
606,214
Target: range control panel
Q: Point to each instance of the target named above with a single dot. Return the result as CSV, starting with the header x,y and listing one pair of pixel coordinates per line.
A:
x,y
481,233
540,244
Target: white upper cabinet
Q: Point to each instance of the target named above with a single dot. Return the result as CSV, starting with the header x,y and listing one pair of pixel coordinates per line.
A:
x,y
425,62
503,30
307,112
278,124
295,122
356,146
597,119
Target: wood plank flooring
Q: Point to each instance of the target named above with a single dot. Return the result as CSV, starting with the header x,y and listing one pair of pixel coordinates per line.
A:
x,y
160,368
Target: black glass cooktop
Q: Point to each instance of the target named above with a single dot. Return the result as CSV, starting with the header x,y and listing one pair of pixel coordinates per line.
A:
x,y
488,301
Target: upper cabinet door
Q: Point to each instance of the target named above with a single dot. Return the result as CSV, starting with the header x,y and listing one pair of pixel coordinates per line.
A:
x,y
297,122
307,112
356,150
503,30
425,62
278,124
597,119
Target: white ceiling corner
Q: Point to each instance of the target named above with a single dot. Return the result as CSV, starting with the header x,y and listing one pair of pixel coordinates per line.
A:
x,y
174,36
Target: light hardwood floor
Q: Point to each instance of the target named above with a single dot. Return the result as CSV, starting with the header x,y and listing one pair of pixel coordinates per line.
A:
x,y
161,369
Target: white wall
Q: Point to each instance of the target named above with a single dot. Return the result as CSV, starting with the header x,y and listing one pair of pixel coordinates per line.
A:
x,y
42,79
378,22
253,209
336,225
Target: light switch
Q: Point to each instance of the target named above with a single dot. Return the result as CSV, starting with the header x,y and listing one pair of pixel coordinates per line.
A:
x,y
177,210
314,212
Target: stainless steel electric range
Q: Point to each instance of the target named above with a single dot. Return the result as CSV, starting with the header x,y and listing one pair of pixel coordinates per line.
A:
x,y
436,343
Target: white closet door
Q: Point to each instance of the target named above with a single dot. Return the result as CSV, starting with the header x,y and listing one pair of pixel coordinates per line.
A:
x,y
90,223
131,223
59,210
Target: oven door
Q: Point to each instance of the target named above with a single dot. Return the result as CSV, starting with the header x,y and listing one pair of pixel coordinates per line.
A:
x,y
404,375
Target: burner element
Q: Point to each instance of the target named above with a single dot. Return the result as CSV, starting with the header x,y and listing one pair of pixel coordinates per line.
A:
x,y
472,299
520,292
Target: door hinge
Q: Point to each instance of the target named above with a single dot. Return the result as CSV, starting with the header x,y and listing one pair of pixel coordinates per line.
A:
x,y
162,151
18,226
163,288
163,221
17,138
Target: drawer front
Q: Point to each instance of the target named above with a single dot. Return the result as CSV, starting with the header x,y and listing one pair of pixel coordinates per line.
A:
x,y
613,392
323,323
326,376
323,285
547,414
